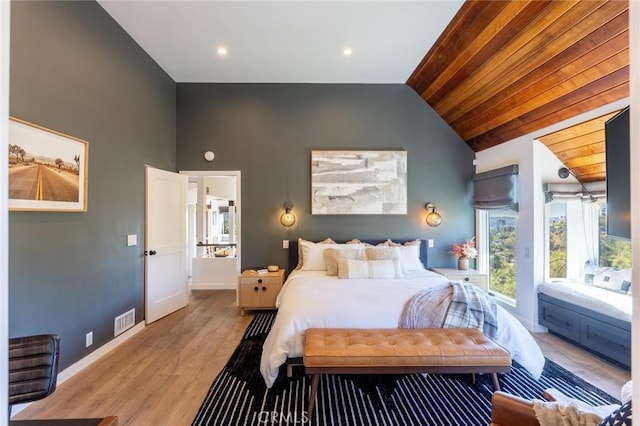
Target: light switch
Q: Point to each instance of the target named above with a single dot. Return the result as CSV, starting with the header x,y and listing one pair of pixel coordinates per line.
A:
x,y
132,240
430,242
285,244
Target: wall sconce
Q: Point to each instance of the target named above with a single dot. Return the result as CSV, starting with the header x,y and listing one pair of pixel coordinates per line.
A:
x,y
433,217
564,172
288,218
209,156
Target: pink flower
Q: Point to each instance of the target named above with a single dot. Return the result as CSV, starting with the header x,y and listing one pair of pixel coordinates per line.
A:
x,y
467,249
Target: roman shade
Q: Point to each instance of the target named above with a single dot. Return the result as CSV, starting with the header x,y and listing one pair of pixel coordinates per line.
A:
x,y
556,191
496,189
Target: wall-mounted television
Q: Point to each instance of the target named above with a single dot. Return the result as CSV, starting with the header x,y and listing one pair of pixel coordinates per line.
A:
x,y
618,175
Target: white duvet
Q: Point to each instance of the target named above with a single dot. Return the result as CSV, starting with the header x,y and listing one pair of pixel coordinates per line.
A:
x,y
311,299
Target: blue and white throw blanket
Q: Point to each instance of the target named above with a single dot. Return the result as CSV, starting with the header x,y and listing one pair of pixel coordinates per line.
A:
x,y
455,305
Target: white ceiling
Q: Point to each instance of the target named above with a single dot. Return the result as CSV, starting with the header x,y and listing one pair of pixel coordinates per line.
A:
x,y
285,41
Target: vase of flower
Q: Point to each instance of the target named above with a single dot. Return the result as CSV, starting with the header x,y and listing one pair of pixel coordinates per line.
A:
x,y
463,263
464,252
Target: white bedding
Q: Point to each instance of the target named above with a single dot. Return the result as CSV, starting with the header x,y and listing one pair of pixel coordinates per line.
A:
x,y
311,299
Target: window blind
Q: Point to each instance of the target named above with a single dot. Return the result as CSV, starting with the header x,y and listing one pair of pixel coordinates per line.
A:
x,y
496,189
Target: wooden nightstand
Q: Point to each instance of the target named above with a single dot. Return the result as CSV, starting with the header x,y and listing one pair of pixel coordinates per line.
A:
x,y
259,291
469,275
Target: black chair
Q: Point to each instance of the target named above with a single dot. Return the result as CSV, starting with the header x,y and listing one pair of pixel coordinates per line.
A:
x,y
33,367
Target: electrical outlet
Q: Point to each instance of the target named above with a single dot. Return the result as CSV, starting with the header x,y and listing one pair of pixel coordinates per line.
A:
x,y
285,244
430,242
89,339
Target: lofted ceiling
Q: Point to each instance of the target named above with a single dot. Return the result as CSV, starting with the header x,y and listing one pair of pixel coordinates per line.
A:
x,y
505,69
274,41
494,70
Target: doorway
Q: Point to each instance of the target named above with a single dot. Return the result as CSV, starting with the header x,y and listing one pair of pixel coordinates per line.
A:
x,y
213,229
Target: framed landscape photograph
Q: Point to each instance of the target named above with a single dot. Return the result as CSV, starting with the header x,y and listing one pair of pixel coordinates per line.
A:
x,y
358,182
48,170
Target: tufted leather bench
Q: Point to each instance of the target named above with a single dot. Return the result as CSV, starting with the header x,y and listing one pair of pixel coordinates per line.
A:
x,y
401,351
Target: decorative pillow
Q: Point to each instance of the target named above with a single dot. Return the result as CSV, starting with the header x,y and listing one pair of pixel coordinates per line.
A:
x,y
594,275
620,281
331,256
613,279
381,252
348,268
300,255
385,253
621,416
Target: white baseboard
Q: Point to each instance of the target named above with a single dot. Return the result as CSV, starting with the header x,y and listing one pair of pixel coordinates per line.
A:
x,y
94,356
214,286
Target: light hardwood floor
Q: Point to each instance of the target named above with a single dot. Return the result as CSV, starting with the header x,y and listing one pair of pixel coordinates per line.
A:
x,y
161,375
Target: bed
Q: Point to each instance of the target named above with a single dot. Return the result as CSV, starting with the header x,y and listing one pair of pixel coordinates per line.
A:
x,y
312,299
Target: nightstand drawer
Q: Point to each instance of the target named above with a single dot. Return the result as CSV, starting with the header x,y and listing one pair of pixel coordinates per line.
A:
x,y
260,279
470,276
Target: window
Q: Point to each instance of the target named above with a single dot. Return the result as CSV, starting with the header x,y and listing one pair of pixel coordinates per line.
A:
x,y
495,197
557,214
577,233
498,228
612,251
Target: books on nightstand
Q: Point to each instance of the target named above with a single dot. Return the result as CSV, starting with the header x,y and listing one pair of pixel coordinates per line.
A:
x,y
258,270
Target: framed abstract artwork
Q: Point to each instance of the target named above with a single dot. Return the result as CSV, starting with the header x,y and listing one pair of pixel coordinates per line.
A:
x,y
358,182
48,170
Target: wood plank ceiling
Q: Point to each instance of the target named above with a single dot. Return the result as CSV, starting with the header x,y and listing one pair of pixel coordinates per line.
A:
x,y
581,148
503,69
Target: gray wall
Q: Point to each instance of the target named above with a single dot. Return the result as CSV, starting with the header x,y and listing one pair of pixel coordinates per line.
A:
x,y
267,131
74,70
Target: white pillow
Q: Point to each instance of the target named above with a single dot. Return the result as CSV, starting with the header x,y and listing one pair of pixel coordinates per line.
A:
x,y
366,269
410,258
313,254
300,241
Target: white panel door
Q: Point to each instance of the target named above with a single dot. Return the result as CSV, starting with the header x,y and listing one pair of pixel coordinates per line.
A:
x,y
166,281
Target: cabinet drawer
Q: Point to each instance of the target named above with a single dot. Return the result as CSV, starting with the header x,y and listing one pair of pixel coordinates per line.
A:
x,y
260,279
559,320
610,341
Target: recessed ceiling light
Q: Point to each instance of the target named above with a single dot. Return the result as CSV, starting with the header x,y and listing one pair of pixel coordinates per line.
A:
x,y
347,51
222,51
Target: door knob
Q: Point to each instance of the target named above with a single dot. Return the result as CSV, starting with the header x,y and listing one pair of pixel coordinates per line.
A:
x,y
150,253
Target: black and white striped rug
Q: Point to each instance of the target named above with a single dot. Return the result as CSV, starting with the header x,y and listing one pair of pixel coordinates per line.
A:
x,y
238,396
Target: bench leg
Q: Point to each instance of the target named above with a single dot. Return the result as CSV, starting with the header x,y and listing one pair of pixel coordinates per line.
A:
x,y
495,382
315,378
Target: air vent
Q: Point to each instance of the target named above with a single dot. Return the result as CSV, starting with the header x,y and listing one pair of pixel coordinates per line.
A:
x,y
124,322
